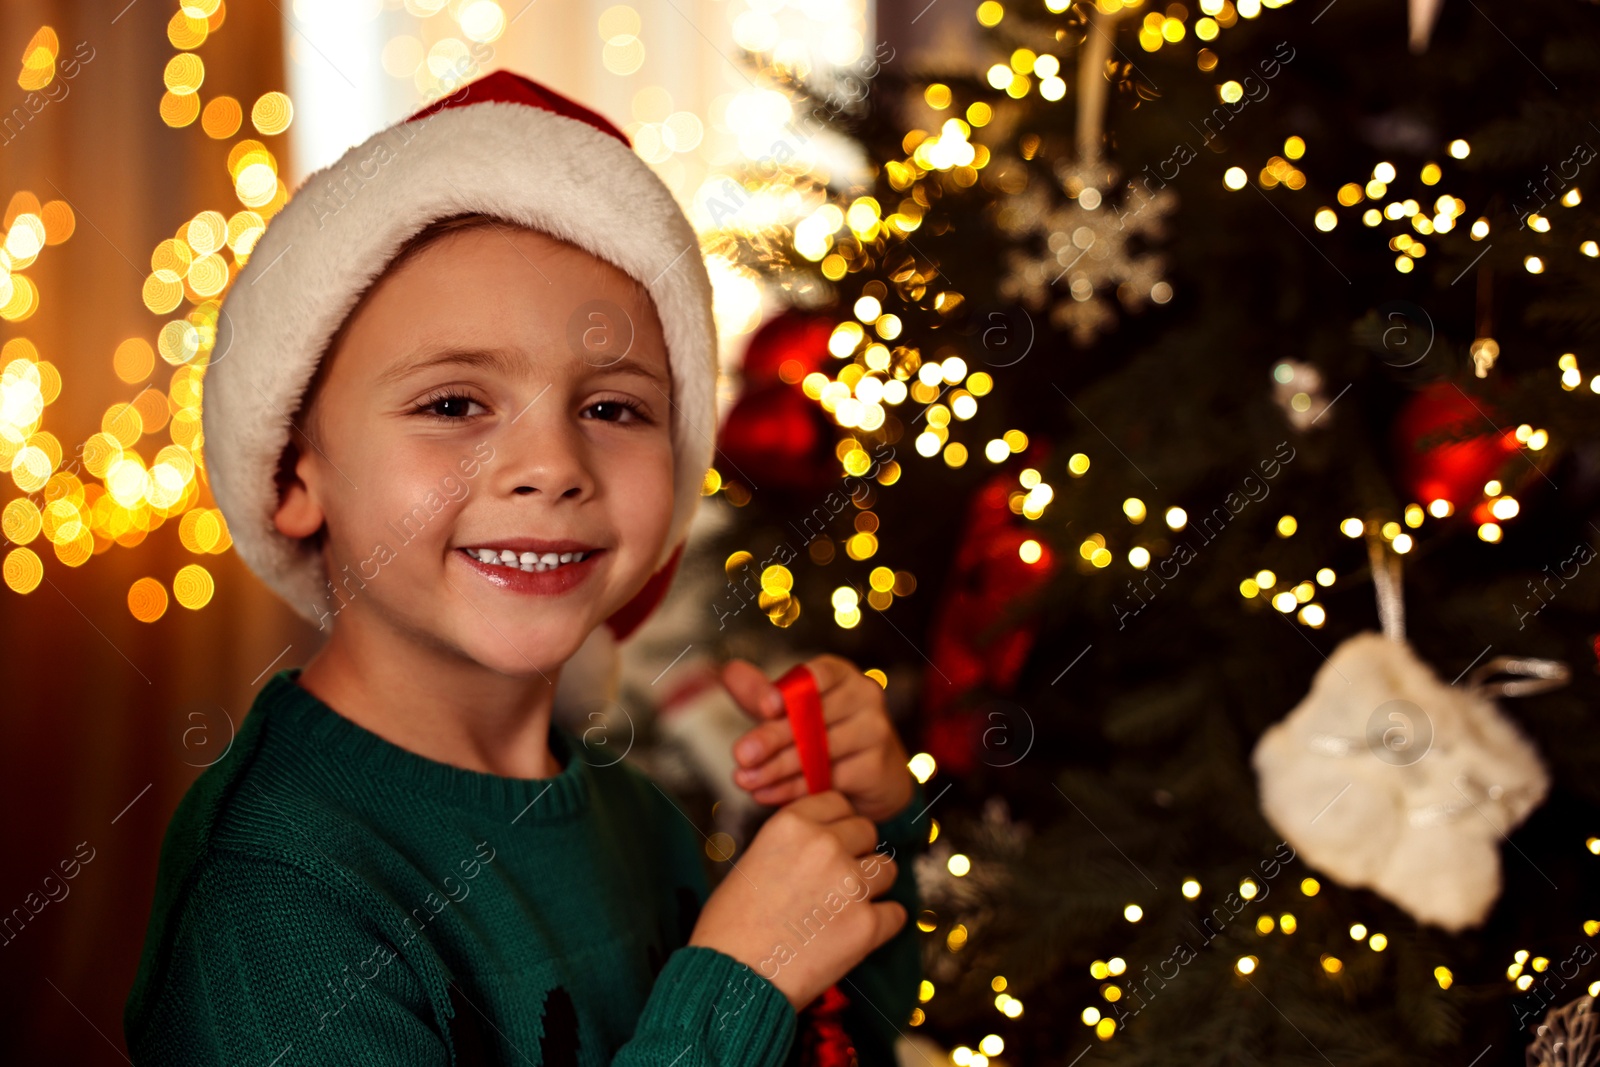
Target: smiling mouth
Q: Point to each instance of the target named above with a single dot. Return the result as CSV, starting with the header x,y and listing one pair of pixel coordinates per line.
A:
x,y
530,562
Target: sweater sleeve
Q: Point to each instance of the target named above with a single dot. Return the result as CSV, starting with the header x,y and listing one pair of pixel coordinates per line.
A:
x,y
883,987
266,962
705,1003
708,1008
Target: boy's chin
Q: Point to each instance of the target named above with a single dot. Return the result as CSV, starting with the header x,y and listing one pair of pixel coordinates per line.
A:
x,y
526,652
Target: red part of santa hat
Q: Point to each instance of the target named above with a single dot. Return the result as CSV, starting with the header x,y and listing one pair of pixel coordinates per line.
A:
x,y
503,145
508,87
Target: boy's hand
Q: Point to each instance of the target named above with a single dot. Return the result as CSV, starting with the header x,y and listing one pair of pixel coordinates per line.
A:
x,y
869,761
812,848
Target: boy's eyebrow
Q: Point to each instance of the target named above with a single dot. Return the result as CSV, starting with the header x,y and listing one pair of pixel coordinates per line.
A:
x,y
506,361
498,359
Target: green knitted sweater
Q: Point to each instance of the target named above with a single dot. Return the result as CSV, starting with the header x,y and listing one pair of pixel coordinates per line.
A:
x,y
326,896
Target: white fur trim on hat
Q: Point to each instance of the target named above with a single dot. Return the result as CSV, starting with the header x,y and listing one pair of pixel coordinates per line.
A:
x,y
344,224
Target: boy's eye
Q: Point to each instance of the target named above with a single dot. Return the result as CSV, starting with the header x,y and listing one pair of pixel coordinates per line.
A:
x,y
447,406
614,411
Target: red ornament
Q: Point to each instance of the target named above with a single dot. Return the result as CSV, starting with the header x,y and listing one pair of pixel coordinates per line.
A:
x,y
988,579
778,438
1450,444
797,336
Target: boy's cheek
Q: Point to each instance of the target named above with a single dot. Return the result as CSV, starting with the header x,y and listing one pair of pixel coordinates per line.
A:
x,y
644,492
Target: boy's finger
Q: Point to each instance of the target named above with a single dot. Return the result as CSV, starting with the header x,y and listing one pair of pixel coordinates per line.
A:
x,y
827,806
839,679
831,671
761,743
767,739
858,835
779,793
751,689
880,870
776,756
781,764
852,734
891,915
847,732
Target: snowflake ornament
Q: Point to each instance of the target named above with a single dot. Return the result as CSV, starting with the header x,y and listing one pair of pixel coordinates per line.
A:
x,y
1086,252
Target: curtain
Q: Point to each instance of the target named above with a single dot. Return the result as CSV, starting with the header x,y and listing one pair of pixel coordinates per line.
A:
x,y
106,719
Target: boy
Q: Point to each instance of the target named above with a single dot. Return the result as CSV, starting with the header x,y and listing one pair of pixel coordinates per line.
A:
x,y
500,361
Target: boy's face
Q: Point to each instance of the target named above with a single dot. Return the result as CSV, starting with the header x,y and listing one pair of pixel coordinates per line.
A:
x,y
552,435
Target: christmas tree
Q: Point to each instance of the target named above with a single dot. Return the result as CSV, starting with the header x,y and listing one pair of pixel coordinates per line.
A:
x,y
1162,354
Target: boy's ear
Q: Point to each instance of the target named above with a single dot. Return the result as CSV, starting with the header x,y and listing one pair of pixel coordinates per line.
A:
x,y
298,515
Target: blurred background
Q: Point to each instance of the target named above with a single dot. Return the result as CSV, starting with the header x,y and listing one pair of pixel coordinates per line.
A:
x,y
1189,413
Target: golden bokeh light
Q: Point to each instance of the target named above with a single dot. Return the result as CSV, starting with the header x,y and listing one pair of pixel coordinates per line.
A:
x,y
133,360
163,291
23,300
20,520
23,570
58,220
147,600
187,31
184,74
272,113
39,60
221,117
193,587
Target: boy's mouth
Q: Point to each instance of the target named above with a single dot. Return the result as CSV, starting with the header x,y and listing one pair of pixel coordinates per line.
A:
x,y
528,561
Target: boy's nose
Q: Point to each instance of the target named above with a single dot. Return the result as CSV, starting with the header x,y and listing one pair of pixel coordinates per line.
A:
x,y
545,456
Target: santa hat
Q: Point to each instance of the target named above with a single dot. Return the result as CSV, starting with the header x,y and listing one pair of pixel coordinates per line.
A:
x,y
502,145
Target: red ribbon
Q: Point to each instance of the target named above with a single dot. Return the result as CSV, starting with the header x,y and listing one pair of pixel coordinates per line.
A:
x,y
804,706
823,1041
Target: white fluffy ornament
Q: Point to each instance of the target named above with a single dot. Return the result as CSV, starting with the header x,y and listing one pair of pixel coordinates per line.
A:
x,y
1388,779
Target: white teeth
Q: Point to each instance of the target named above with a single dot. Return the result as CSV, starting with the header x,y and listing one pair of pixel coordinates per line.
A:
x,y
531,562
